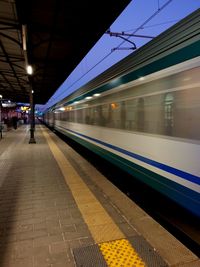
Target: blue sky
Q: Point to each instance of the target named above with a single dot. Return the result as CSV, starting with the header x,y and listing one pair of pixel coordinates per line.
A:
x,y
142,17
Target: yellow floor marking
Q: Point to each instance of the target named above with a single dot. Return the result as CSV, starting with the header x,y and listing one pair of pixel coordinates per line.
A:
x,y
103,229
100,224
120,253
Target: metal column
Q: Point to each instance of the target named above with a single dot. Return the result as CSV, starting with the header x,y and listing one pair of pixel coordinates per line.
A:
x,y
32,113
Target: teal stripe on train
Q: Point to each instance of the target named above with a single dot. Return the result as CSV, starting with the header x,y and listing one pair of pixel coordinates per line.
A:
x,y
182,195
185,53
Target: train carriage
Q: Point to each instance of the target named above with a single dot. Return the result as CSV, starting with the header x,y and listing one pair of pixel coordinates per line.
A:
x,y
143,114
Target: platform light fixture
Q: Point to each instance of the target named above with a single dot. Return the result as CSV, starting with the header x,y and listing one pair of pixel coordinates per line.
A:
x,y
29,70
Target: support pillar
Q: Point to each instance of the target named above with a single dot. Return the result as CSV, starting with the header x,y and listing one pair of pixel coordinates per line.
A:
x,y
32,115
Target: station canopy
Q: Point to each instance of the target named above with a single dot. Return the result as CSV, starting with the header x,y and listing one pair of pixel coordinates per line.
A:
x,y
53,36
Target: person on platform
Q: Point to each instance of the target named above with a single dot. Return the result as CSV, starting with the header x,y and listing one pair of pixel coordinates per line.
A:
x,y
14,122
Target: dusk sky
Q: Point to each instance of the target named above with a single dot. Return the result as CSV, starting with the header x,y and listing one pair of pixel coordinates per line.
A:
x,y
142,17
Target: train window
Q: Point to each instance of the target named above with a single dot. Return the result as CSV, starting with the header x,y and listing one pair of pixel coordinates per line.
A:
x,y
131,107
123,115
140,114
115,114
165,106
168,113
79,115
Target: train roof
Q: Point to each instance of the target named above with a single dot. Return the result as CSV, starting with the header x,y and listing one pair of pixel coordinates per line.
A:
x,y
170,47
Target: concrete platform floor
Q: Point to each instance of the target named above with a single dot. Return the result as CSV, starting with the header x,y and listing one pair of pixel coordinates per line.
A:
x,y
53,203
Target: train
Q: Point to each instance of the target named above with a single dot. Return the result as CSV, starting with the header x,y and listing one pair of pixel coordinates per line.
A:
x,y
143,114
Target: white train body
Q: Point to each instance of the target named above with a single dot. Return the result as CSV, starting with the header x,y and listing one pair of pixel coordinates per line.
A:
x,y
145,119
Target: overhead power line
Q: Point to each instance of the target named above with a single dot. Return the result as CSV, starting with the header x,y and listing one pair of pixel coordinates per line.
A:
x,y
154,25
118,47
122,34
149,19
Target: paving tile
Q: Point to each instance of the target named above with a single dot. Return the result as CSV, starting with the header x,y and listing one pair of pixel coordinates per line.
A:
x,y
40,226
24,249
55,238
37,250
69,228
40,223
86,241
58,247
28,262
41,241
74,243
73,235
54,230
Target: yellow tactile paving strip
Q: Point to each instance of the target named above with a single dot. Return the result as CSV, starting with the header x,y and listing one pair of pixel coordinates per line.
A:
x,y
120,253
100,224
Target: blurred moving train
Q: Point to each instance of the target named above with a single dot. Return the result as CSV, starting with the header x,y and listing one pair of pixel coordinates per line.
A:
x,y
143,114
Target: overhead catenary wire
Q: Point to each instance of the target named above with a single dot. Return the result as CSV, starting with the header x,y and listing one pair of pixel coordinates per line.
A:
x,y
147,20
52,101
154,25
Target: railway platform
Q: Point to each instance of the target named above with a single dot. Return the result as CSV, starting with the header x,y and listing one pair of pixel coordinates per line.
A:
x,y
57,210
